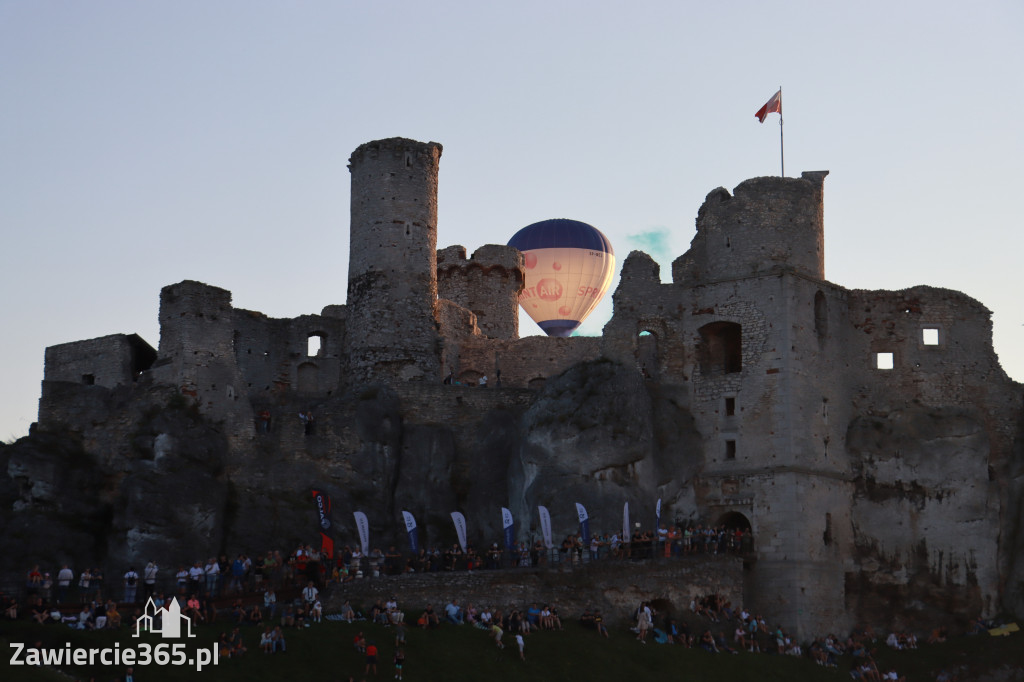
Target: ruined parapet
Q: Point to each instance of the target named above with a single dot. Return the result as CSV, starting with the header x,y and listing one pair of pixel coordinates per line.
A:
x,y
392,280
488,284
767,225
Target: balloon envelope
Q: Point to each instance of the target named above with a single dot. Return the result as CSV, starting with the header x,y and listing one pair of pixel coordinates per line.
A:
x,y
569,267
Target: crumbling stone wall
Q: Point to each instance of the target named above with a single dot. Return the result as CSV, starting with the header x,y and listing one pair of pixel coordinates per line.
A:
x,y
524,363
107,361
767,224
274,358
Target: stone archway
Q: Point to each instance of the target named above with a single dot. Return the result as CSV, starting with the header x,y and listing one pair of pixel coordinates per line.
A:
x,y
735,520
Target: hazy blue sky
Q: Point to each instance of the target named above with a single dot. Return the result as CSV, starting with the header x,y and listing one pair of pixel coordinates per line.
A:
x,y
144,143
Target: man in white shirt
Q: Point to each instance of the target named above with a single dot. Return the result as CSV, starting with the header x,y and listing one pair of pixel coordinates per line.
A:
x,y
64,578
212,572
309,594
149,578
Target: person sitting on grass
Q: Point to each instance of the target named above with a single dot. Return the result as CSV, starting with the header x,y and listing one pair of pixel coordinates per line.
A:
x,y
235,641
40,613
192,609
85,619
723,644
267,641
316,612
238,614
598,624
554,621
278,638
453,613
869,671
224,646
255,615
429,618
707,642
496,633
348,614
113,617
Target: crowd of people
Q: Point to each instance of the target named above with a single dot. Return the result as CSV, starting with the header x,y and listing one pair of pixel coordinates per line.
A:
x,y
243,593
216,577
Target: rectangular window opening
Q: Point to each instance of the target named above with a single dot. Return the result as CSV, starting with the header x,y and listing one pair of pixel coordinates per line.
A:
x,y
930,336
314,345
730,407
730,449
884,361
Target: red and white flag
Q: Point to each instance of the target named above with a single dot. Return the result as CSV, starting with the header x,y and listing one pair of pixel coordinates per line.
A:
x,y
772,105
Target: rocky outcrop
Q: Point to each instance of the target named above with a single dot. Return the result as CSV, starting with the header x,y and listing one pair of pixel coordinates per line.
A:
x,y
145,483
601,435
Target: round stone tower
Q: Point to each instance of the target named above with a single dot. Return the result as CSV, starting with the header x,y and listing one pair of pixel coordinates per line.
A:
x,y
392,274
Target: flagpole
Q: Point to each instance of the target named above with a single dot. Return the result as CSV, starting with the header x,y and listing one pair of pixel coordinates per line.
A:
x,y
782,146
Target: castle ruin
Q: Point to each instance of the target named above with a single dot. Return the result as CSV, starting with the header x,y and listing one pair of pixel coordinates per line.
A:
x,y
869,439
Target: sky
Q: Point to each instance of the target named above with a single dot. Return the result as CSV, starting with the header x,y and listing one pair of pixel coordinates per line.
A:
x,y
142,144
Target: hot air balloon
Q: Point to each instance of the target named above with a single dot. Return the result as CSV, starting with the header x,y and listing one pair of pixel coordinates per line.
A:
x,y
569,267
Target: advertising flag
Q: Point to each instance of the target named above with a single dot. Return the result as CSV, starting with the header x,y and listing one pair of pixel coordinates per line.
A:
x,y
410,528
509,525
545,526
657,515
581,511
460,528
323,508
625,524
363,525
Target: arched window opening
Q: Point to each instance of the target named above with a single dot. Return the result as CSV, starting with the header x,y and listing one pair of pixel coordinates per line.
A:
x,y
721,348
647,354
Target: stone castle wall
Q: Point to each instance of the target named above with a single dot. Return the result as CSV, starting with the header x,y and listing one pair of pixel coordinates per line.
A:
x,y
108,361
670,585
274,357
